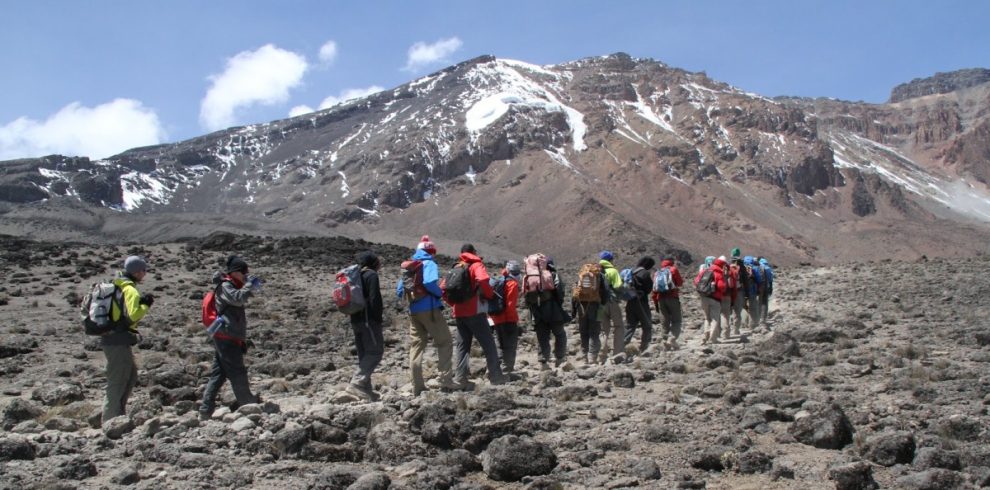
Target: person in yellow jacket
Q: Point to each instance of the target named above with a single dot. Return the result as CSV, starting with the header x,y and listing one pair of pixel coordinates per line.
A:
x,y
611,312
121,369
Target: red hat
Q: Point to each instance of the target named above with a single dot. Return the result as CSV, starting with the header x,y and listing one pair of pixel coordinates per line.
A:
x,y
427,245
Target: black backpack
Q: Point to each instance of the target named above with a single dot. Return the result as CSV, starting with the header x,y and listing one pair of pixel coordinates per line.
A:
x,y
496,305
457,284
706,283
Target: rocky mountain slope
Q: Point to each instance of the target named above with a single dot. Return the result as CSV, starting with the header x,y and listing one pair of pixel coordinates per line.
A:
x,y
889,387
628,154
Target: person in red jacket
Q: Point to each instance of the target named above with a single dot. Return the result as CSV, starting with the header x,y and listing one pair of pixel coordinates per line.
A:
x,y
471,316
506,323
668,304
713,303
731,289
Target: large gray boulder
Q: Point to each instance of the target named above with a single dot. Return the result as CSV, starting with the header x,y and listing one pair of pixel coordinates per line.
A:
x,y
890,448
510,458
824,428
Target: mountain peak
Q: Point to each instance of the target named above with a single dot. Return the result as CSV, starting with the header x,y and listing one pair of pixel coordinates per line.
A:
x,y
940,83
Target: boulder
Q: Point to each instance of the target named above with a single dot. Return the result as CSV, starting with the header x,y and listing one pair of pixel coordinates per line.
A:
x,y
824,428
510,458
933,457
57,393
372,481
77,468
18,410
116,427
290,440
889,449
127,475
15,448
853,476
933,479
779,347
388,442
623,379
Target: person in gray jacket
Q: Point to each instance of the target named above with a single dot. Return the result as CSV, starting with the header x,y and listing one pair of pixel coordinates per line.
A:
x,y
233,290
121,369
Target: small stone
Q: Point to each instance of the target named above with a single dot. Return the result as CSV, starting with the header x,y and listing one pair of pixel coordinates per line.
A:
x,y
116,427
933,457
623,379
372,481
510,458
890,448
128,475
933,479
853,476
824,428
242,424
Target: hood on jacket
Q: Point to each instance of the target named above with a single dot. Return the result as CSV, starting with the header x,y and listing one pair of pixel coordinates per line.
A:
x,y
606,264
719,263
749,260
667,263
220,276
368,259
422,254
709,260
469,258
764,261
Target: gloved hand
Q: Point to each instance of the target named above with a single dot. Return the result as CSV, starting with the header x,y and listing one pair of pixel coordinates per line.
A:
x,y
147,299
255,282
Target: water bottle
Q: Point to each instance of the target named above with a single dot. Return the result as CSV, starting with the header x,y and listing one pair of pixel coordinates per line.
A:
x,y
219,323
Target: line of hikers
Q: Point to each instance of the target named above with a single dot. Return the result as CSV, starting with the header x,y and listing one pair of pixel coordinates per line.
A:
x,y
483,308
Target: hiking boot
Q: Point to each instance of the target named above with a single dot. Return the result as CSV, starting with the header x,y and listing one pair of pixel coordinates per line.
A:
x,y
500,380
418,389
206,415
584,359
363,393
459,386
559,362
673,345
544,366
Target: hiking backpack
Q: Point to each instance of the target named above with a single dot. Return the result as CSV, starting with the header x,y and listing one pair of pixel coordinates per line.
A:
x,y
663,281
537,280
586,289
627,290
96,308
210,312
704,284
732,278
496,305
767,274
348,294
457,285
412,280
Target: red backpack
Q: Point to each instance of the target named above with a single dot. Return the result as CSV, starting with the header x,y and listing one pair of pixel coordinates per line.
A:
x,y
210,313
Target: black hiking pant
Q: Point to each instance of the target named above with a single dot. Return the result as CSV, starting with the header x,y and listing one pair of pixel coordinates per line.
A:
x,y
638,315
228,364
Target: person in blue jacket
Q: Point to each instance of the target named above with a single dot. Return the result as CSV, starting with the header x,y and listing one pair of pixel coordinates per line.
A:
x,y
426,315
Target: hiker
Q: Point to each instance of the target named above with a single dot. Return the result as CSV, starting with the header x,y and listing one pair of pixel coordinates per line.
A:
x,y
549,319
766,290
233,289
740,294
731,285
368,325
712,301
121,370
752,291
667,301
506,322
467,291
589,294
426,315
638,308
611,313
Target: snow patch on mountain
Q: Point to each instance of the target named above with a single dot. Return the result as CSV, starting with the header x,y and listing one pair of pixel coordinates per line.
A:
x,y
140,187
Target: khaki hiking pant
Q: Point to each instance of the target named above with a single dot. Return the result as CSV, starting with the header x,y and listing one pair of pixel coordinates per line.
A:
x,y
713,318
726,311
614,326
122,375
738,305
423,326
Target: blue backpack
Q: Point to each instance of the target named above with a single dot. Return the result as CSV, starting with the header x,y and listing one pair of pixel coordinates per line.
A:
x,y
663,281
627,292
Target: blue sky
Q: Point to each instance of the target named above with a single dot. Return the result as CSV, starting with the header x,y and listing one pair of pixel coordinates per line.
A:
x,y
97,77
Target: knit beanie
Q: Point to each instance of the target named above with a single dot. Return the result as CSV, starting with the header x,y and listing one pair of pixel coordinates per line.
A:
x,y
236,264
736,252
468,248
135,264
427,245
513,267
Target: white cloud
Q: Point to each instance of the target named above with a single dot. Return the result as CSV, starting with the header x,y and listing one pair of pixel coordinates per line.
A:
x,y
422,54
264,77
75,130
300,110
328,52
349,94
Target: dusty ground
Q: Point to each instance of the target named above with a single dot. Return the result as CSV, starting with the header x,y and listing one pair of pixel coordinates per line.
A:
x,y
885,364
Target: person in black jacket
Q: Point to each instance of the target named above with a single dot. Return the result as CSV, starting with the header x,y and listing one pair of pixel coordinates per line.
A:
x,y
233,290
549,319
638,308
369,340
